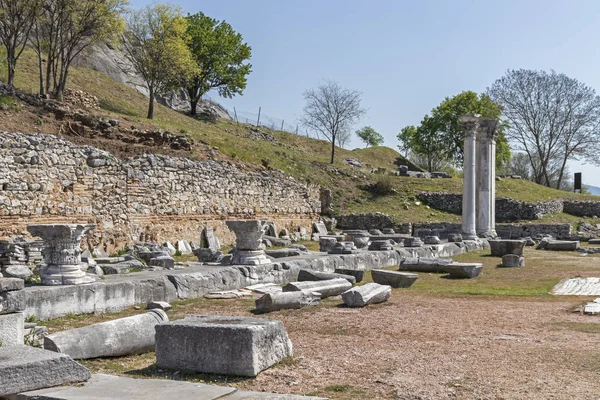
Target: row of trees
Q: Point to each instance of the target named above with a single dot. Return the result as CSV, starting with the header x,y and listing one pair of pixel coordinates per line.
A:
x,y
167,49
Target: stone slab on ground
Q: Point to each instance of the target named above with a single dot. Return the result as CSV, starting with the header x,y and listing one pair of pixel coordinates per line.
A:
x,y
109,387
594,241
592,308
463,270
370,293
358,274
225,345
394,279
328,288
578,287
424,264
229,294
264,288
562,245
25,368
311,275
12,329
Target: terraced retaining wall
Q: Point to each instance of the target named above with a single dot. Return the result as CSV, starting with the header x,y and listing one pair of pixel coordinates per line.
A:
x,y
44,179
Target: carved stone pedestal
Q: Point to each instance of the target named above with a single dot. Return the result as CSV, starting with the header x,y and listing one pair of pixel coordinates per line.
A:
x,y
62,254
248,242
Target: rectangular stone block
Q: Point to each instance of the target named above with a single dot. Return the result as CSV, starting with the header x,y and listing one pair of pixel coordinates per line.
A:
x,y
221,345
24,368
370,293
11,302
10,284
11,329
328,288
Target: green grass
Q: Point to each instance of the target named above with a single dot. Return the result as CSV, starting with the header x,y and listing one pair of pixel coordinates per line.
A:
x,y
10,103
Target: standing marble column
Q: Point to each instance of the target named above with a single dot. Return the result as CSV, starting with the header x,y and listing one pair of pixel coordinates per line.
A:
x,y
486,178
248,242
62,254
469,124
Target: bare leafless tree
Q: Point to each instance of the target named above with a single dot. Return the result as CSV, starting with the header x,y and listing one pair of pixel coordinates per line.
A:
x,y
331,111
17,17
552,118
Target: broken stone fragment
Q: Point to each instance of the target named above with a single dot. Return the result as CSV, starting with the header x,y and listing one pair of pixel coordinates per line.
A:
x,y
370,293
512,261
119,337
359,274
286,300
159,305
332,287
311,275
394,279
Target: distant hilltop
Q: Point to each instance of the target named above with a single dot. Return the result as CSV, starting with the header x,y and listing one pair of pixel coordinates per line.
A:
x,y
594,190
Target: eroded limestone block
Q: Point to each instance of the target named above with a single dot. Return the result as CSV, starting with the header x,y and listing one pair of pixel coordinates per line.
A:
x,y
512,261
394,279
312,275
332,287
123,336
562,245
11,329
370,293
25,368
13,301
286,300
463,270
359,274
502,247
10,284
224,345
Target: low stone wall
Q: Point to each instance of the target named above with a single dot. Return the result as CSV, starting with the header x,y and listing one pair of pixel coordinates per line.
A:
x,y
439,229
44,179
559,231
582,208
117,292
506,209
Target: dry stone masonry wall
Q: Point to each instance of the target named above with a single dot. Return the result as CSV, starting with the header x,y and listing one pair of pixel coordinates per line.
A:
x,y
44,179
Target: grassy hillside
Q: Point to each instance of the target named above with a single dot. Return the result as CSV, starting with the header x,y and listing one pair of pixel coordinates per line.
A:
x,y
304,158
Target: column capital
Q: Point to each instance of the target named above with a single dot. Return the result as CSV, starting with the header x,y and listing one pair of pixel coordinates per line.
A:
x,y
469,124
488,128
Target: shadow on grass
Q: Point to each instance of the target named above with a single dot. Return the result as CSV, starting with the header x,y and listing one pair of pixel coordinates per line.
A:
x,y
153,371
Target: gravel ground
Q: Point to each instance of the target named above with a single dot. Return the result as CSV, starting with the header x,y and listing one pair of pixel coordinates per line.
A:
x,y
423,347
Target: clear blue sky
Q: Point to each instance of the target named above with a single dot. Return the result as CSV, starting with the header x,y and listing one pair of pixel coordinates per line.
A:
x,y
404,56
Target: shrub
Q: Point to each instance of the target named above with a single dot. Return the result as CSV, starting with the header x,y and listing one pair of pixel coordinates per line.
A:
x,y
383,186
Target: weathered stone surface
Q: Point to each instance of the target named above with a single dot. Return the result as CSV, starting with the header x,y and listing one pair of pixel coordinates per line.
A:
x,y
166,262
422,264
455,238
562,245
370,293
17,271
9,284
110,387
512,261
210,239
286,300
594,241
431,240
332,287
463,270
359,274
248,234
343,248
360,238
394,279
312,275
326,243
123,336
578,287
320,228
221,345
502,247
208,255
229,294
24,368
184,247
413,242
282,253
592,307
123,267
11,302
380,245
11,331
62,254
159,305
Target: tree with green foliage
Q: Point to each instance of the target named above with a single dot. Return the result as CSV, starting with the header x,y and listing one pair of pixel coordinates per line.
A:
x,y
65,28
17,17
439,138
155,42
370,136
221,56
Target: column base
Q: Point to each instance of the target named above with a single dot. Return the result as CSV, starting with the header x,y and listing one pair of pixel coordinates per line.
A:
x,y
250,257
65,275
491,234
469,236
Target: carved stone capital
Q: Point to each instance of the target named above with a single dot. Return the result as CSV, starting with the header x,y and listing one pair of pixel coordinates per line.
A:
x,y
469,124
488,128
